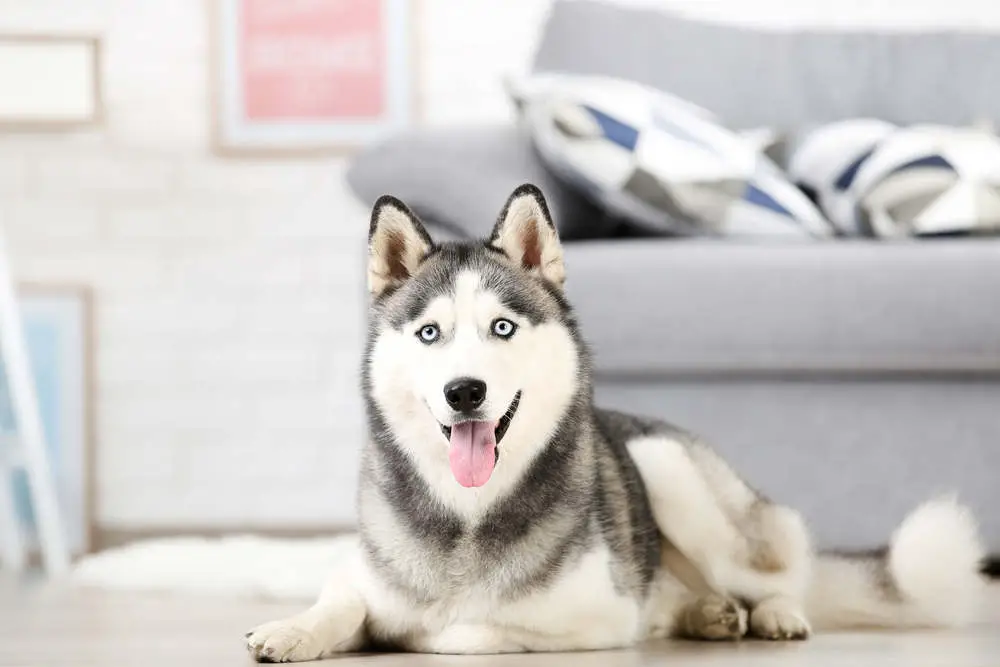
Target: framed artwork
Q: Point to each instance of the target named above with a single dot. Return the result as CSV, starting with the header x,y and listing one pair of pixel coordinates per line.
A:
x,y
57,324
68,96
294,76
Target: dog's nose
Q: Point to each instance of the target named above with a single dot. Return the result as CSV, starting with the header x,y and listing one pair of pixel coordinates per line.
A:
x,y
465,394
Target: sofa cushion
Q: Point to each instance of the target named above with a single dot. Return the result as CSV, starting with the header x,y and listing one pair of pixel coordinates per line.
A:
x,y
655,308
459,178
754,77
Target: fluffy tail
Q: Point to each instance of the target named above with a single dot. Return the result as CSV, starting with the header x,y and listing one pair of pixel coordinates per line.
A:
x,y
928,576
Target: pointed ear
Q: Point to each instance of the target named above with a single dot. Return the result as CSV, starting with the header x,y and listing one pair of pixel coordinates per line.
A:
x,y
526,234
397,243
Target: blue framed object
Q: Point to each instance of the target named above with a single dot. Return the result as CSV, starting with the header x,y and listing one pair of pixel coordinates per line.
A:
x,y
57,333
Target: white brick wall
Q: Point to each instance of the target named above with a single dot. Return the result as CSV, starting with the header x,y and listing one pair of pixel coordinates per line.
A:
x,y
229,294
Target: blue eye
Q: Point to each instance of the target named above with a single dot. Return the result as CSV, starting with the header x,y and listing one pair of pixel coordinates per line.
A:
x,y
503,328
428,333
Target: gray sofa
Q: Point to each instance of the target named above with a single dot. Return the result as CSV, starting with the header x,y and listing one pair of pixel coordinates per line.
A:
x,y
851,379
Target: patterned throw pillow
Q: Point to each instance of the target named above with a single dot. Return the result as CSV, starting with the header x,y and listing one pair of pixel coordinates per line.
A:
x,y
827,160
660,161
875,179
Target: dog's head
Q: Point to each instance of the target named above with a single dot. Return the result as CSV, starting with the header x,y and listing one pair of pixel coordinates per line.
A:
x,y
472,355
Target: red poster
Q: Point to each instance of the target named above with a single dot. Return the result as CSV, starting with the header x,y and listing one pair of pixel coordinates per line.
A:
x,y
312,59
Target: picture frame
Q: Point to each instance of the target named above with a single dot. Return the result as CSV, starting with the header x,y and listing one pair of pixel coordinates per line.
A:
x,y
300,77
58,327
69,97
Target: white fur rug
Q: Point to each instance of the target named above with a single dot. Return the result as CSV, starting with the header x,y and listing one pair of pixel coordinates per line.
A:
x,y
241,566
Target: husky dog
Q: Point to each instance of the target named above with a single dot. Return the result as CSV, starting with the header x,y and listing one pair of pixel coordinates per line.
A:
x,y
500,511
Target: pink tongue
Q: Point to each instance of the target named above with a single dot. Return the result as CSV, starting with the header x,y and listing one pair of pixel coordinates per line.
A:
x,y
473,452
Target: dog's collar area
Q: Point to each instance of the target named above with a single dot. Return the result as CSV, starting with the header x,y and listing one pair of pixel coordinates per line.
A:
x,y
501,430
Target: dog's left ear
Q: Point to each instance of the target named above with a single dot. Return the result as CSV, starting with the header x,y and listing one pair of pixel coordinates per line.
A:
x,y
526,234
397,244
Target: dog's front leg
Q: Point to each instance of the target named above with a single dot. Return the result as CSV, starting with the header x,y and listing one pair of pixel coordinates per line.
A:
x,y
335,624
686,510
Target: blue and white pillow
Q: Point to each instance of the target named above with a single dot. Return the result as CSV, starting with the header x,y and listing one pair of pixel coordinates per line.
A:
x,y
658,160
826,163
876,179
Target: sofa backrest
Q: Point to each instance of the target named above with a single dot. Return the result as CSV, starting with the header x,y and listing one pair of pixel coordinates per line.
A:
x,y
752,77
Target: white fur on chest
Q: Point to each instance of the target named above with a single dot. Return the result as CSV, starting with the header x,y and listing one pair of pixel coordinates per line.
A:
x,y
579,608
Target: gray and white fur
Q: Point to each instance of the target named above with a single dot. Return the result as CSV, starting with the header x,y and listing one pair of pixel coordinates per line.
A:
x,y
501,511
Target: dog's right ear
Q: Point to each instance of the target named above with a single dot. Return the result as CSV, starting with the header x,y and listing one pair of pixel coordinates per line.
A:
x,y
526,234
397,243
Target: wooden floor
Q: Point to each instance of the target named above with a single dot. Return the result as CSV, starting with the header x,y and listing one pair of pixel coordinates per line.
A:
x,y
52,627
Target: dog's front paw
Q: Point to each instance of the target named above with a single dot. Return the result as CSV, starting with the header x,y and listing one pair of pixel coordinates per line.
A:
x,y
321,631
283,641
714,618
779,619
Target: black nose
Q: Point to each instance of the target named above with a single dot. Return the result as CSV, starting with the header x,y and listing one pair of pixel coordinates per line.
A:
x,y
465,394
